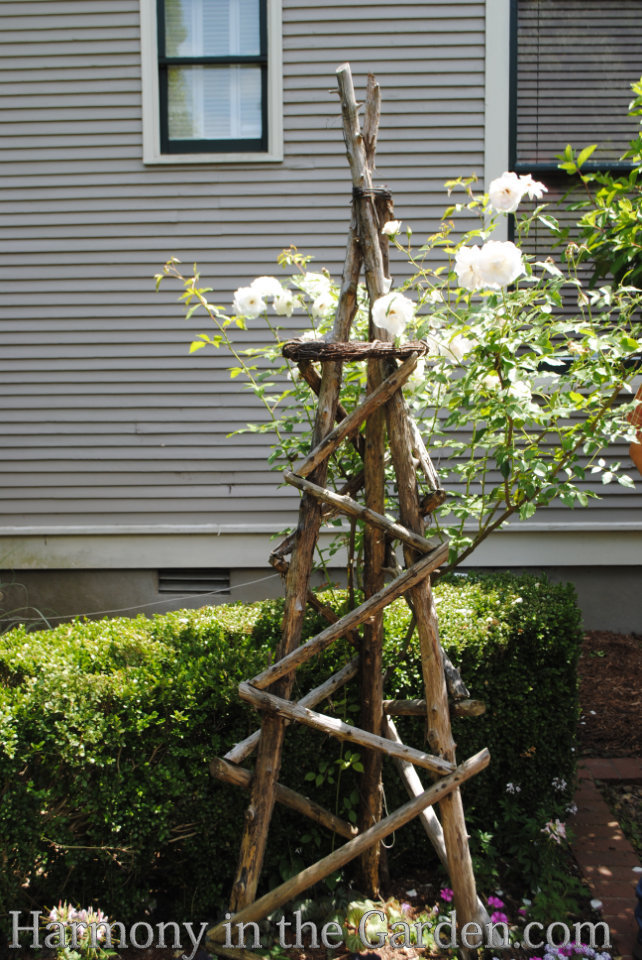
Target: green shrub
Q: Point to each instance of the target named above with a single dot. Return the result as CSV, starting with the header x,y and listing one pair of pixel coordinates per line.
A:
x,y
106,729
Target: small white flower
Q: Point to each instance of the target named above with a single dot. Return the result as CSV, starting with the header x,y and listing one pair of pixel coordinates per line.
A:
x,y
533,188
315,284
596,904
248,303
572,809
558,783
284,303
467,268
267,287
491,381
500,263
411,893
390,228
435,296
392,312
322,305
505,192
513,788
521,391
455,348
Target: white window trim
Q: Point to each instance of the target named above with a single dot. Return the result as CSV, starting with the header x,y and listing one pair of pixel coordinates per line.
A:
x,y
151,103
496,97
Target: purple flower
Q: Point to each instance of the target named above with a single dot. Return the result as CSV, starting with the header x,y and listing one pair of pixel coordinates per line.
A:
x,y
565,951
405,908
495,902
446,894
522,913
498,917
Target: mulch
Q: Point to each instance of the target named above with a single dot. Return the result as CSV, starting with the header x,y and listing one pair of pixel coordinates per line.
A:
x,y
610,672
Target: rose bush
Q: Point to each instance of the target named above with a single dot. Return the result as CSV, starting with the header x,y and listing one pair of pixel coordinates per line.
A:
x,y
525,387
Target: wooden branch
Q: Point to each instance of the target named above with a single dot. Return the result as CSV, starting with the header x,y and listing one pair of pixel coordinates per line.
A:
x,y
431,501
334,861
353,421
419,449
417,708
257,816
271,704
300,350
371,120
346,505
415,788
428,817
413,575
460,868
240,777
243,749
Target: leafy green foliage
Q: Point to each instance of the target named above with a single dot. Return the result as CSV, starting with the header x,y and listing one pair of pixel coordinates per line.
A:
x,y
107,727
610,225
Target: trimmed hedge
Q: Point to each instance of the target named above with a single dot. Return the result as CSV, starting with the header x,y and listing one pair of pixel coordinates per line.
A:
x,y
106,729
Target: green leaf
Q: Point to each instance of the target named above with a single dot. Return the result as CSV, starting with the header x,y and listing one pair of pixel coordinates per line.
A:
x,y
196,345
585,154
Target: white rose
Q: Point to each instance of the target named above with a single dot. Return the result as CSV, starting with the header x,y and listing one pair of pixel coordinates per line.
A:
x,y
533,188
267,287
467,268
500,263
491,381
455,348
505,192
520,391
322,305
314,284
392,312
391,227
248,303
284,303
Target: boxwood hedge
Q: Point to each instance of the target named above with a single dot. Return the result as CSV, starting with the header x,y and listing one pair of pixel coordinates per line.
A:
x,y
106,729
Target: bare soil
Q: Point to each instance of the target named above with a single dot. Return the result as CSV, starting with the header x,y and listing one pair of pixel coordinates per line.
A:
x,y
610,673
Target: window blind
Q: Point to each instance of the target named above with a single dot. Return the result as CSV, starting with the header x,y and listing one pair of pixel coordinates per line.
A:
x,y
574,62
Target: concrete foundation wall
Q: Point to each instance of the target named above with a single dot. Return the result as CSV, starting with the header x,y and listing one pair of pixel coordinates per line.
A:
x,y
610,599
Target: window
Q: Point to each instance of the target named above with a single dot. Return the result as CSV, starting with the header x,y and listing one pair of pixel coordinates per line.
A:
x,y
211,80
572,64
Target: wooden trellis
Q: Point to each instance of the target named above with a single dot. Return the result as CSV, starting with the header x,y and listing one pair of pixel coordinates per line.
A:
x,y
384,413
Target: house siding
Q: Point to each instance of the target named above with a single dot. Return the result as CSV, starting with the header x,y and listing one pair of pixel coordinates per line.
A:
x,y
108,423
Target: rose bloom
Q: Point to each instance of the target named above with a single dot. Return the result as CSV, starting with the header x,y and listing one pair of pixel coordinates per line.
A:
x,y
322,305
467,268
392,312
314,284
506,192
500,263
267,287
533,188
454,348
391,227
284,303
248,303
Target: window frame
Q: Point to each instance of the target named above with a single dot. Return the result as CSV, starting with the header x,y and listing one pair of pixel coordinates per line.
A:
x,y
549,168
157,149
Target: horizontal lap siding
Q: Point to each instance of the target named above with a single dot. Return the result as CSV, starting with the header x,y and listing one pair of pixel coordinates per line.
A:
x,y
106,418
